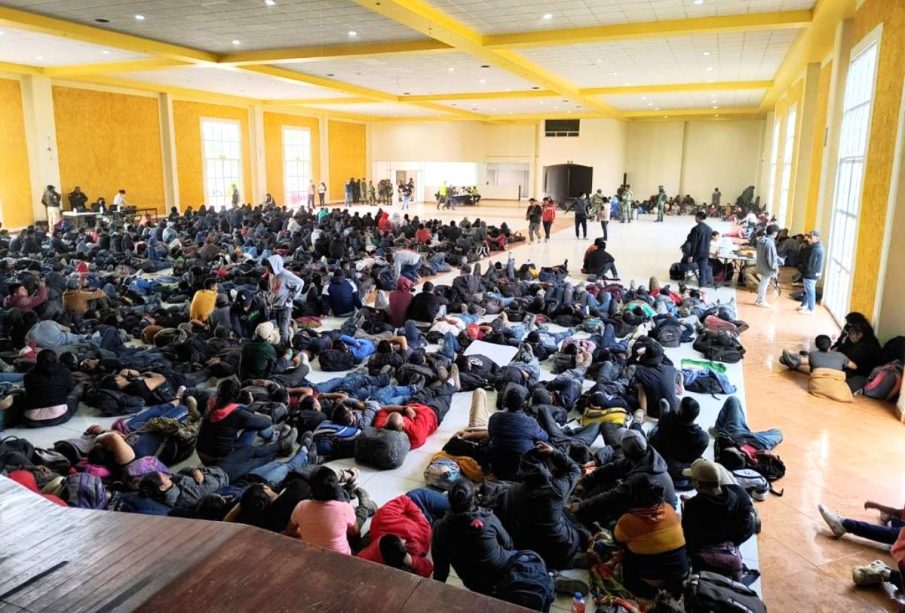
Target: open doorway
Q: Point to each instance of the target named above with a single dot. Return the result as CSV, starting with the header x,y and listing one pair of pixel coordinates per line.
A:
x,y
403,176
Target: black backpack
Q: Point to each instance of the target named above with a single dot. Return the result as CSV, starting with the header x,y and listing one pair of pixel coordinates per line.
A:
x,y
527,582
713,593
668,334
677,272
114,402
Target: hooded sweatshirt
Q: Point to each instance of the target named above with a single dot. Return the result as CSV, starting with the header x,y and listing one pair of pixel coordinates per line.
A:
x,y
709,519
401,517
654,543
219,430
284,286
767,258
476,544
400,299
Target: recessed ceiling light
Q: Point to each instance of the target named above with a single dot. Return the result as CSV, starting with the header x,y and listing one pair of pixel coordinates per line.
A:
x,y
599,60
615,74
709,68
237,42
270,2
493,108
353,33
657,108
139,18
452,69
650,104
556,108
483,80
542,102
104,51
706,53
717,115
508,89
628,83
699,2
39,57
548,16
644,97
715,106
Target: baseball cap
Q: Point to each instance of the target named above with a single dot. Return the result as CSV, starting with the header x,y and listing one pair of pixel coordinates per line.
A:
x,y
703,470
815,233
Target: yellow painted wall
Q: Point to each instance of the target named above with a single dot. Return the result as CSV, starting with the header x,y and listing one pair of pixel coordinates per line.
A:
x,y
273,150
347,155
109,141
881,144
189,156
817,145
15,182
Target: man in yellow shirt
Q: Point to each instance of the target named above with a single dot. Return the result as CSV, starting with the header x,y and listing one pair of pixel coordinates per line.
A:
x,y
204,301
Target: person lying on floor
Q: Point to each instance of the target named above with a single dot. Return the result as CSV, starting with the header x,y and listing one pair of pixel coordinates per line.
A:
x,y
182,491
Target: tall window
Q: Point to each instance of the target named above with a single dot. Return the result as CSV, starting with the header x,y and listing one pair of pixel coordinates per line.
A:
x,y
787,151
856,112
296,164
221,141
774,157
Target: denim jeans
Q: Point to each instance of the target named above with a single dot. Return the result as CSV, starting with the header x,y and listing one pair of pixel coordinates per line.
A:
x,y
551,340
601,304
731,420
875,532
499,298
437,263
705,274
412,271
450,346
583,223
247,438
276,472
351,384
392,394
432,503
245,459
11,377
283,316
810,293
762,288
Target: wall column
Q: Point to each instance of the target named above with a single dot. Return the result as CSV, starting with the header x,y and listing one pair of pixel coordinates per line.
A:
x,y
168,153
323,125
806,135
842,50
41,136
258,155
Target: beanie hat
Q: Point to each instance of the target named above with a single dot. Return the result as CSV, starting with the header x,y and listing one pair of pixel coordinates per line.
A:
x,y
633,443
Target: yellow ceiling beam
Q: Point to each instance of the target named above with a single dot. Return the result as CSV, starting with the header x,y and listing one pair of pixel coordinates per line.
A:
x,y
677,87
812,46
532,93
425,19
671,27
99,36
327,52
303,101
179,92
20,68
75,70
674,113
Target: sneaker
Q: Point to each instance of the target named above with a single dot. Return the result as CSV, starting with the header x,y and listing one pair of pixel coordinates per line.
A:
x,y
638,416
833,520
763,305
286,441
348,477
418,381
800,308
806,312
364,500
6,402
454,378
569,585
874,573
190,403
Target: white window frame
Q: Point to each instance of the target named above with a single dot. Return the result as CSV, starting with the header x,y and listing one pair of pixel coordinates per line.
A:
x,y
774,160
788,153
856,122
211,198
296,177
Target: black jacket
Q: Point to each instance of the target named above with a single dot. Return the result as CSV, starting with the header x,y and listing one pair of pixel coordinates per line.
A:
x,y
813,264
699,241
709,520
476,544
596,260
425,306
678,442
533,510
48,389
217,439
608,493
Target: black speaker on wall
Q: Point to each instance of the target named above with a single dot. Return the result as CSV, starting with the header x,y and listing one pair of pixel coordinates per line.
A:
x,y
566,181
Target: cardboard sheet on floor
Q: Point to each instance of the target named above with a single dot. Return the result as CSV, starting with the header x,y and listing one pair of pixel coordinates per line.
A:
x,y
500,354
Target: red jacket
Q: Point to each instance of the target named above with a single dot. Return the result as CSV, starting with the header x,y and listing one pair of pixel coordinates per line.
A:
x,y
417,428
28,302
423,235
401,517
548,213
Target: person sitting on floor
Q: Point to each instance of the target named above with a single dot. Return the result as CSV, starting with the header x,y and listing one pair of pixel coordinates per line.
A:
x,y
598,262
678,438
827,369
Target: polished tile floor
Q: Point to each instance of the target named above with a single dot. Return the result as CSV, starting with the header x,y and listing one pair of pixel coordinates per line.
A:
x,y
839,454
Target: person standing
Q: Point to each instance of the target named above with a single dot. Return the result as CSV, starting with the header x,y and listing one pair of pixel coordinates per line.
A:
x,y
600,208
322,192
533,215
627,197
235,198
406,191
580,208
716,197
77,199
312,189
813,267
441,195
350,190
51,201
284,287
698,242
119,201
661,203
767,263
548,216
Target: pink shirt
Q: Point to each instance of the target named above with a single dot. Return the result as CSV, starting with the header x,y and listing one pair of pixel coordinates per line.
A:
x,y
325,524
898,548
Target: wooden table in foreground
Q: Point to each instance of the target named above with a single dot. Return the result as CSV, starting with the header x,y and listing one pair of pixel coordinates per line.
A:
x,y
58,559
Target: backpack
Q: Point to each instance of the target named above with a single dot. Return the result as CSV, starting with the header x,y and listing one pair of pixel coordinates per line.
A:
x,y
713,593
668,334
114,402
139,467
16,452
752,482
893,350
677,271
335,441
85,491
716,324
441,473
613,415
884,382
722,558
381,449
527,582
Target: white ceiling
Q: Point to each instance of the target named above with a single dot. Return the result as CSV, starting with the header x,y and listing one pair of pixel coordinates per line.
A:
x,y
740,56
34,49
378,109
516,106
498,16
212,25
686,100
234,82
419,74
